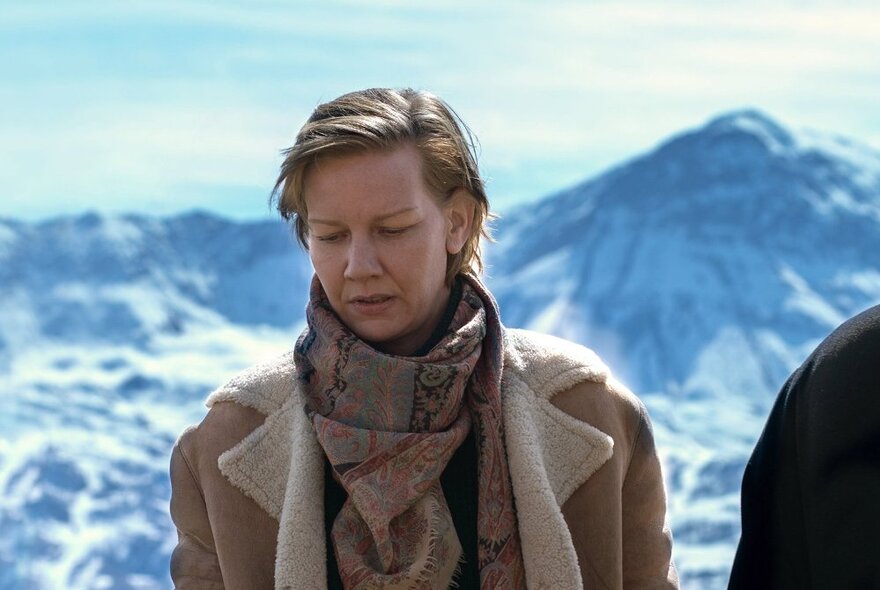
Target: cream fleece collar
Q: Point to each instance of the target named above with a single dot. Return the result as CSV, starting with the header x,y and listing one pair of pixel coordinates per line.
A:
x,y
280,464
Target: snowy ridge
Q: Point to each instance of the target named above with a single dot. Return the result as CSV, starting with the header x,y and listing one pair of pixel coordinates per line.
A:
x,y
703,272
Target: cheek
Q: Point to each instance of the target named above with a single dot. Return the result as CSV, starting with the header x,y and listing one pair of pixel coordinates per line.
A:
x,y
324,254
317,262
423,250
427,259
324,265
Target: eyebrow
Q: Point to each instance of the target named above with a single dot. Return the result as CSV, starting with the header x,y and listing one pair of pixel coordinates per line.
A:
x,y
380,218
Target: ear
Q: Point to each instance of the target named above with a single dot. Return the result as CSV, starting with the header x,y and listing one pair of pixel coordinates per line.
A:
x,y
459,219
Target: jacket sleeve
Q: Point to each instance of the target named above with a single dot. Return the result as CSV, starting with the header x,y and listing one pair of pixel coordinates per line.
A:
x,y
617,517
647,538
194,563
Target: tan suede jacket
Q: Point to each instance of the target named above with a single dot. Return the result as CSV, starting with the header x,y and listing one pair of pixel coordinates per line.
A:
x,y
247,483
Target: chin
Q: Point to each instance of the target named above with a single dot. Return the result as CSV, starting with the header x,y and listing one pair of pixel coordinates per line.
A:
x,y
395,344
376,335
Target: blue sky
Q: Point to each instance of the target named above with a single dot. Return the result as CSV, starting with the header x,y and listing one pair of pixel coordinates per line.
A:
x,y
158,107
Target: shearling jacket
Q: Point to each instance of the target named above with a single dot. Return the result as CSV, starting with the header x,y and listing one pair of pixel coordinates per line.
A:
x,y
247,483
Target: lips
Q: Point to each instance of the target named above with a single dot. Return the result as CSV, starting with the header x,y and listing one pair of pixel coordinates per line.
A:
x,y
371,304
370,299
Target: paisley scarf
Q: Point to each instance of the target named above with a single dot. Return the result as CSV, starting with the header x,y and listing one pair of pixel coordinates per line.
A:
x,y
389,425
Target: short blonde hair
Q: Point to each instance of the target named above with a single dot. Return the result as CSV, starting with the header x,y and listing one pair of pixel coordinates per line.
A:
x,y
384,118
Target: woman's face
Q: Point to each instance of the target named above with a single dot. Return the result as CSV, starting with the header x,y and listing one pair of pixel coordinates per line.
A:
x,y
378,241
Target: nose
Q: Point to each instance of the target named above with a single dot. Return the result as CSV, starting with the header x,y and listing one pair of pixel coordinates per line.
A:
x,y
363,260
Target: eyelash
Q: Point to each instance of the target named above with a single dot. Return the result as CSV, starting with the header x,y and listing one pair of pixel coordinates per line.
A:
x,y
386,231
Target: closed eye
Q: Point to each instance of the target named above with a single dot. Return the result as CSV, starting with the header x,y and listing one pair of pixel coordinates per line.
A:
x,y
393,231
329,238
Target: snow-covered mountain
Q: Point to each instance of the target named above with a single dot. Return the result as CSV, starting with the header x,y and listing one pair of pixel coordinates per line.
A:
x,y
727,247
703,272
127,279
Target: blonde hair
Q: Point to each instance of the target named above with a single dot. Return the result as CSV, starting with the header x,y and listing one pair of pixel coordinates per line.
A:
x,y
385,118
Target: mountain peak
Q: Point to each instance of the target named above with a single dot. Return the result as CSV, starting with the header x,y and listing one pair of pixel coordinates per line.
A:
x,y
755,123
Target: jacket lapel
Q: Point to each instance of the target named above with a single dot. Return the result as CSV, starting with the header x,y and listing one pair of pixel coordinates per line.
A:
x,y
301,558
550,454
280,465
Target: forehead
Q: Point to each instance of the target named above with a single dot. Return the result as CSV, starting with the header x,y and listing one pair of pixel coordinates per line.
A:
x,y
368,183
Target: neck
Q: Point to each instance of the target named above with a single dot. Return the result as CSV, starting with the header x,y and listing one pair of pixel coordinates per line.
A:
x,y
444,321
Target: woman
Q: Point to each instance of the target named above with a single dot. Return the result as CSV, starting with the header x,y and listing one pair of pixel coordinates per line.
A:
x,y
410,440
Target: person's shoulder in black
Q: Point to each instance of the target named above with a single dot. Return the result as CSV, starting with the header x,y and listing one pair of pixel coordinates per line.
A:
x,y
811,490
